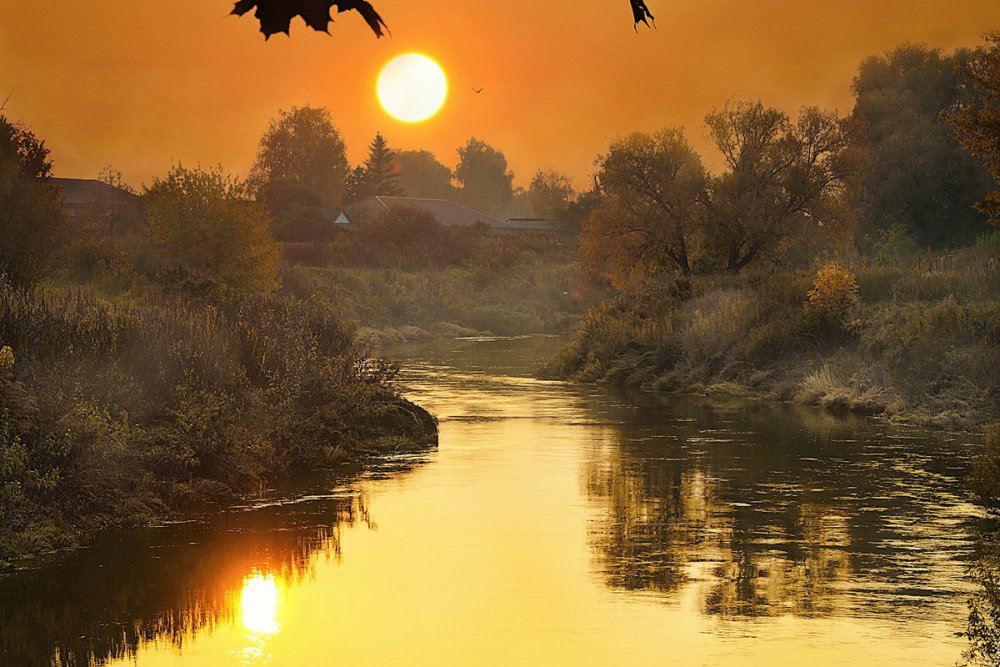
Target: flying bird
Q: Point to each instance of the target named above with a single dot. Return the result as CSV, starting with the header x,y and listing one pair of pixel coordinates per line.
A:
x,y
276,15
477,90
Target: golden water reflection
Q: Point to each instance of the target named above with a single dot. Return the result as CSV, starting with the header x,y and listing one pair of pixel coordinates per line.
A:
x,y
259,604
555,526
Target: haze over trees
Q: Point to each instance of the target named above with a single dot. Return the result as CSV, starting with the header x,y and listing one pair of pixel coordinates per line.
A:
x,y
301,155
912,172
422,175
378,176
550,193
485,181
203,223
977,117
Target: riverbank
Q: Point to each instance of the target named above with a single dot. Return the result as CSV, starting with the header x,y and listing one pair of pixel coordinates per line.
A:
x,y
916,341
130,409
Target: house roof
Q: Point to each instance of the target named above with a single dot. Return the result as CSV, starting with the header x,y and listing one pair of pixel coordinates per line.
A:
x,y
447,213
86,191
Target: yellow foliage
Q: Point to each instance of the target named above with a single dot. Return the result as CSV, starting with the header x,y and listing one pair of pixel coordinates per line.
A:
x,y
835,291
6,360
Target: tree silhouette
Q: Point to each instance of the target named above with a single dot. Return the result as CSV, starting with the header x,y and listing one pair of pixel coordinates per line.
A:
x,y
377,176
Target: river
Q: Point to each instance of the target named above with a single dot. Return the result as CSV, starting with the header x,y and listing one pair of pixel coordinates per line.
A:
x,y
554,525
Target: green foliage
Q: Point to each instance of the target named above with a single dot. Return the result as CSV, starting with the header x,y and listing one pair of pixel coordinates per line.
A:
x,y
32,222
445,276
912,172
422,175
302,147
117,410
484,178
202,222
550,194
378,176
895,245
924,341
977,117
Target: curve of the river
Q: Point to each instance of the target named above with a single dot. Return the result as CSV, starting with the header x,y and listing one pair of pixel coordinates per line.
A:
x,y
555,525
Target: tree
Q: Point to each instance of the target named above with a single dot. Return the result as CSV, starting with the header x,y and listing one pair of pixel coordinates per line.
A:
x,y
485,179
914,172
650,188
422,175
303,148
378,176
977,118
32,221
550,193
204,223
783,180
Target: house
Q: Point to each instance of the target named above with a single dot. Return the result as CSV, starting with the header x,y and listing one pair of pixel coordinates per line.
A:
x,y
338,217
445,212
92,202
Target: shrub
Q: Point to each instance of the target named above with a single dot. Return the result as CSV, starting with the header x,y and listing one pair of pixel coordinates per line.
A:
x,y
833,298
715,323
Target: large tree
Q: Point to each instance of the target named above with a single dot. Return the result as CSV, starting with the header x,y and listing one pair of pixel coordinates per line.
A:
x,y
422,175
783,180
32,222
301,150
204,223
914,173
378,176
550,193
486,182
650,188
977,116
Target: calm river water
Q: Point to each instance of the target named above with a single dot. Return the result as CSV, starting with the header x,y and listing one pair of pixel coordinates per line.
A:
x,y
555,525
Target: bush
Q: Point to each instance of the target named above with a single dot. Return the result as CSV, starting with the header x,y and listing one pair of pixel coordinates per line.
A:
x,y
833,299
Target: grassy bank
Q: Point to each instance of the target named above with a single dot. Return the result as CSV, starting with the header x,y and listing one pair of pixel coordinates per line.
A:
x,y
916,339
128,409
465,282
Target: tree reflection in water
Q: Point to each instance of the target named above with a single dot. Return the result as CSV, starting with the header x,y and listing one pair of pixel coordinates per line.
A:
x,y
775,509
165,583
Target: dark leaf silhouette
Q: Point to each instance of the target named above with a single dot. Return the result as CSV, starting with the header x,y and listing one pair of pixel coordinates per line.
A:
x,y
276,15
640,12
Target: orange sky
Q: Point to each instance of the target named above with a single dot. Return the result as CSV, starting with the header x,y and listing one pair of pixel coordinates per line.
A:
x,y
138,84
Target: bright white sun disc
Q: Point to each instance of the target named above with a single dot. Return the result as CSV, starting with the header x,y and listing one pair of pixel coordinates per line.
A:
x,y
412,87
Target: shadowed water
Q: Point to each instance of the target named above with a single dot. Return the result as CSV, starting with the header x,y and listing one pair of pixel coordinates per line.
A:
x,y
554,525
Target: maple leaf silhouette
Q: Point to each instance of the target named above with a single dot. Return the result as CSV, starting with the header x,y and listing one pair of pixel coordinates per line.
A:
x,y
640,12
276,15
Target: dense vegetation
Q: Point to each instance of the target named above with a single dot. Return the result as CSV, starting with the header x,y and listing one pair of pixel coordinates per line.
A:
x,y
815,265
163,367
407,275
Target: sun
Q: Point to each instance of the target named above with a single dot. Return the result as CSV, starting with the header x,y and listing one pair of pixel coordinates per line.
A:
x,y
412,87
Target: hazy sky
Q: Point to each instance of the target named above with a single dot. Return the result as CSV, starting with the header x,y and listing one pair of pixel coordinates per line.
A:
x,y
138,84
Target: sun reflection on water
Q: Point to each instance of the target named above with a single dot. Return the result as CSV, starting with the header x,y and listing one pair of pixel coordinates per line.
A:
x,y
259,604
